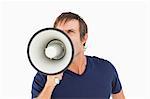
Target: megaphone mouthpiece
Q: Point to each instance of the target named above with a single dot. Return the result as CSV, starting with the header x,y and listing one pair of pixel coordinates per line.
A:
x,y
55,50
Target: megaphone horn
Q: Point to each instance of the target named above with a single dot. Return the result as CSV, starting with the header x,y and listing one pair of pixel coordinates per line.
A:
x,y
50,51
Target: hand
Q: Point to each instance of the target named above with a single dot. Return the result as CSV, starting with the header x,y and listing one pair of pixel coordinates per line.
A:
x,y
53,80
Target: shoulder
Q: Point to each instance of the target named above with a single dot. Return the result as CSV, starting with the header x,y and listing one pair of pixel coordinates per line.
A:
x,y
40,77
101,63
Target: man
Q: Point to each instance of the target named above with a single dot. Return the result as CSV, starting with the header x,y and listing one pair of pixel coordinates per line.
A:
x,y
87,77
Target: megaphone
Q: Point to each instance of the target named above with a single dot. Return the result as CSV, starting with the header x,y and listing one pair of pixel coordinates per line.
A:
x,y
50,51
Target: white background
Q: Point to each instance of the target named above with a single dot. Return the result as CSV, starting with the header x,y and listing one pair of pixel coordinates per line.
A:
x,y
119,31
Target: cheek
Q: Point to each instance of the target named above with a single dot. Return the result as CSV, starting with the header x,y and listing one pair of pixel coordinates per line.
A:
x,y
76,42
77,45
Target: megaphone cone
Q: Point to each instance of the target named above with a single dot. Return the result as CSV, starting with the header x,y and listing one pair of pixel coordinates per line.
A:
x,y
50,51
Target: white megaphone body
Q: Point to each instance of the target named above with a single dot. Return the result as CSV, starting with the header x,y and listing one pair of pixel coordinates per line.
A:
x,y
50,51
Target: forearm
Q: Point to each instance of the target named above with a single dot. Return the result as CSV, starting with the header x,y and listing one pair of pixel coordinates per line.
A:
x,y
119,95
46,92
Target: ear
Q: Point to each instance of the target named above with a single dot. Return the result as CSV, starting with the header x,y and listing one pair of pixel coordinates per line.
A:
x,y
84,39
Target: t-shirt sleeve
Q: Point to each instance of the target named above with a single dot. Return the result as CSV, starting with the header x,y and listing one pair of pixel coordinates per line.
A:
x,y
116,84
38,84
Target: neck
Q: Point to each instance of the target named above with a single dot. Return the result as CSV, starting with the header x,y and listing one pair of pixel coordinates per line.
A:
x,y
79,64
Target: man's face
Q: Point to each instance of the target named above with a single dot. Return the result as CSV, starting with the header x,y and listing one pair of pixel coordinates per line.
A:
x,y
71,28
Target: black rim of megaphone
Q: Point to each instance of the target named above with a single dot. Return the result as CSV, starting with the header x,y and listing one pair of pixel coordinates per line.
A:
x,y
33,38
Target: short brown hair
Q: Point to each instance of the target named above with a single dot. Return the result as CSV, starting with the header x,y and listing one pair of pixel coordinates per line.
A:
x,y
67,16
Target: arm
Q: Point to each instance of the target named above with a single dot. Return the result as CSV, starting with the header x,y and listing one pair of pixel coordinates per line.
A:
x,y
119,95
49,87
46,92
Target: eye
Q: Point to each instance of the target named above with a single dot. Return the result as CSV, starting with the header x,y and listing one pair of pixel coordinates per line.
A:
x,y
70,31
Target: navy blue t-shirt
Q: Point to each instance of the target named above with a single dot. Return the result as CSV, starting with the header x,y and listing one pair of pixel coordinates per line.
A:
x,y
99,81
